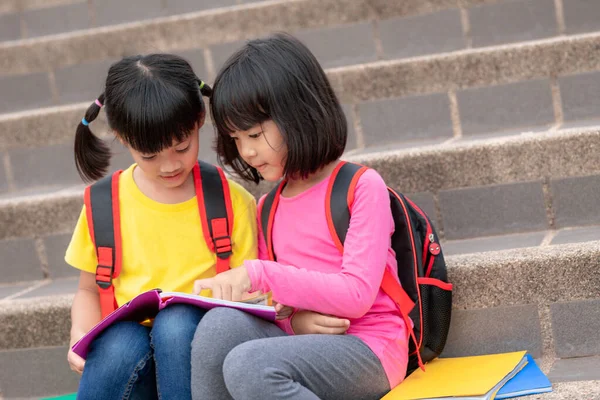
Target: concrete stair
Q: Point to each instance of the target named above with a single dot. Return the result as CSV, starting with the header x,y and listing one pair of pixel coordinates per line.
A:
x,y
485,112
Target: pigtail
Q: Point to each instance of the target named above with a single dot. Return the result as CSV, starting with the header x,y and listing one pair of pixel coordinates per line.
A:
x,y
92,155
204,88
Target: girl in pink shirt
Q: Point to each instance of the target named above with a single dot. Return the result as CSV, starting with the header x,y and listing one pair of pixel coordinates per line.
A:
x,y
278,117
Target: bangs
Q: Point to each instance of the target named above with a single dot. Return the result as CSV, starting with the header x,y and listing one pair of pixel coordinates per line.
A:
x,y
150,109
243,99
156,116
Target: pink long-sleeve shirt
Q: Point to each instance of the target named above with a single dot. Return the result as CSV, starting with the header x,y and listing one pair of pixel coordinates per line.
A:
x,y
311,274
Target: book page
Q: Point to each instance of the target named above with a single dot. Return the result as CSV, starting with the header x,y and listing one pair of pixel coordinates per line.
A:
x,y
257,298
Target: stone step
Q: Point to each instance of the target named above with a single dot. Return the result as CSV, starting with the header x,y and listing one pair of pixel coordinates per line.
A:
x,y
407,28
48,368
37,268
29,275
530,87
531,186
545,298
208,28
64,69
588,390
34,19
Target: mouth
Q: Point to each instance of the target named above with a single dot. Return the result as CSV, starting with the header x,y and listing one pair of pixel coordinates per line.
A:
x,y
259,167
172,177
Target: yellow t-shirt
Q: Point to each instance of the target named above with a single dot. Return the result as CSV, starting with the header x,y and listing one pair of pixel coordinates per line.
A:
x,y
162,244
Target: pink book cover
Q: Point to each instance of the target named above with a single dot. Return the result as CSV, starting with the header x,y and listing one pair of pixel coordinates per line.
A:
x,y
146,305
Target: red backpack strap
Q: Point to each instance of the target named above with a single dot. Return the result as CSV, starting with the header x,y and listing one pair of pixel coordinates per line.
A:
x,y
102,211
216,211
338,206
266,211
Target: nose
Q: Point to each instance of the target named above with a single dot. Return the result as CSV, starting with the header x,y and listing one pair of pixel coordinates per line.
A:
x,y
247,150
170,165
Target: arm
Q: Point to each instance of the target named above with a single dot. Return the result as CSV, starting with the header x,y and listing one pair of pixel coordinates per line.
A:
x,y
85,313
350,292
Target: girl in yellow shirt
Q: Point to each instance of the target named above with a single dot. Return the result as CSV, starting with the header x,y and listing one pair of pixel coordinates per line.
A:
x,y
154,106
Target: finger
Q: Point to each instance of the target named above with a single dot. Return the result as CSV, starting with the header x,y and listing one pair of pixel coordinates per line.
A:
x,y
332,330
237,294
77,365
202,284
286,313
217,292
326,321
278,307
226,292
80,367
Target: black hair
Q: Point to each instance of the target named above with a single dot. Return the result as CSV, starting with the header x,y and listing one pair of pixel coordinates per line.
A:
x,y
277,78
149,101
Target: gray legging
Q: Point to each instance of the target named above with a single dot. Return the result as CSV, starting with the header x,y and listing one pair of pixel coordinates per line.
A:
x,y
236,355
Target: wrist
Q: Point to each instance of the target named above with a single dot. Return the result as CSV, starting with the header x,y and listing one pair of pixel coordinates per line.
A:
x,y
251,271
75,336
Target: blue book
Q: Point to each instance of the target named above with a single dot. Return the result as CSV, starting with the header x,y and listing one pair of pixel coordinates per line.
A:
x,y
529,380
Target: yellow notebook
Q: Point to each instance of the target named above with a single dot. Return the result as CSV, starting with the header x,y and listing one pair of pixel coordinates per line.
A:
x,y
478,377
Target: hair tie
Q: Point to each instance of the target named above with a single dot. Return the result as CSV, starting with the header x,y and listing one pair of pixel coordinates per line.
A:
x,y
201,84
98,103
84,122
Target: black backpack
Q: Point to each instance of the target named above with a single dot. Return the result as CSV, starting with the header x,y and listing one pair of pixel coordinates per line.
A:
x,y
425,296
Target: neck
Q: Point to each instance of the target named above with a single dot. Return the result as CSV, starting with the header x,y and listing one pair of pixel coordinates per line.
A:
x,y
297,186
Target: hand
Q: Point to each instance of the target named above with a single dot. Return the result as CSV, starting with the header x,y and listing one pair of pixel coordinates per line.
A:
x,y
283,312
229,285
310,322
75,362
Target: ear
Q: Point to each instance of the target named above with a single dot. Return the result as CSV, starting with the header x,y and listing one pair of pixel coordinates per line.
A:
x,y
120,139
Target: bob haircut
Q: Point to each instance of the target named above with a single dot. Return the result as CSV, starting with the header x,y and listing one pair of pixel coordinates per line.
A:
x,y
277,78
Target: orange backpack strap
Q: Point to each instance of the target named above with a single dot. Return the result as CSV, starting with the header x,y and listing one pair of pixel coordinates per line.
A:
x,y
102,211
216,211
338,206
266,211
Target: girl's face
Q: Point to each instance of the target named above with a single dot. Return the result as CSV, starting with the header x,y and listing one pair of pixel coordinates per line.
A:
x,y
263,148
171,167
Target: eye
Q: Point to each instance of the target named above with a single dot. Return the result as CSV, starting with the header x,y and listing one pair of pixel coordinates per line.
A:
x,y
183,150
234,138
148,158
255,135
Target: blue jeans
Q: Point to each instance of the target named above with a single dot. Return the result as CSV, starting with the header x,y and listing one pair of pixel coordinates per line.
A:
x,y
131,361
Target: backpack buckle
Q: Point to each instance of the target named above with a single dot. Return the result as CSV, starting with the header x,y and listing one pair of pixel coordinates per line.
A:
x,y
222,246
104,279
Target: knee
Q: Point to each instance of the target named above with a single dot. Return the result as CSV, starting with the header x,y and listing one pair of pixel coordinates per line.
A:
x,y
124,344
175,325
215,335
247,375
217,324
238,364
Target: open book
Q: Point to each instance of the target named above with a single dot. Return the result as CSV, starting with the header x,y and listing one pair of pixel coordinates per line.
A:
x,y
146,305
